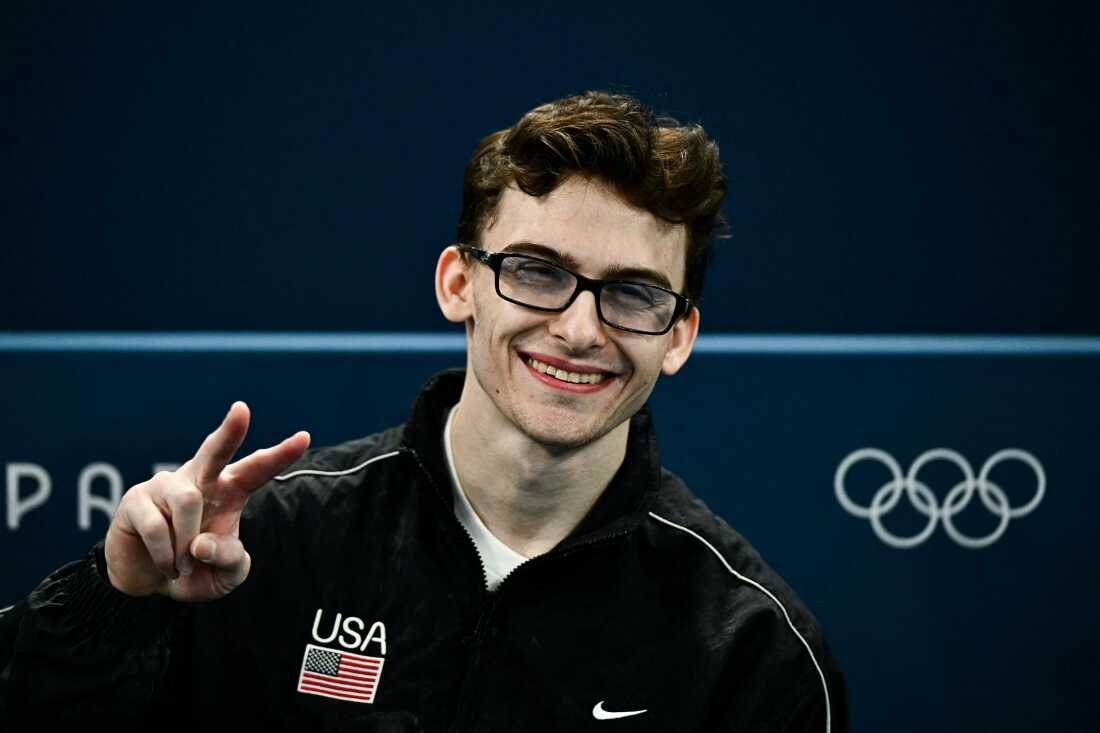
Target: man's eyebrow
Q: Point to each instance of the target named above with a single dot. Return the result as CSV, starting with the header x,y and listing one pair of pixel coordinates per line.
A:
x,y
614,272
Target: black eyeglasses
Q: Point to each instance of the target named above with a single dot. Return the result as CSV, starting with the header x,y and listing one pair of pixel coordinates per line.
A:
x,y
545,286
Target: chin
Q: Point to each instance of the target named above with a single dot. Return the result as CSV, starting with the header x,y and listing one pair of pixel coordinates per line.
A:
x,y
561,433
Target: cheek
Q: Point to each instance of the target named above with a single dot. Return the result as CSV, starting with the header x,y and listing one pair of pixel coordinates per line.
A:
x,y
486,323
646,360
647,364
494,332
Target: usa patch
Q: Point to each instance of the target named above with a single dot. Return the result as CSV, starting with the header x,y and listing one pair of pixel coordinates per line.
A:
x,y
339,674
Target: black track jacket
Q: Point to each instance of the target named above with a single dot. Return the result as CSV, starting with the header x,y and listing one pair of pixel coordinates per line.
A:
x,y
366,609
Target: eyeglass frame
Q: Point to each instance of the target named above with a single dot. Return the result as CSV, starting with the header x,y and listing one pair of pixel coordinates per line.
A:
x,y
584,284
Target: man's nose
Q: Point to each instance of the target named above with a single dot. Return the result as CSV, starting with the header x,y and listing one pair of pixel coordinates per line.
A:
x,y
579,324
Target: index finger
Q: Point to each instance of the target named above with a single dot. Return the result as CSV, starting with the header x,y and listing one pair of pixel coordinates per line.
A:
x,y
218,448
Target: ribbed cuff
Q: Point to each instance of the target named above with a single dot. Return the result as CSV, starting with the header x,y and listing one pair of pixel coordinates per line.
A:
x,y
89,606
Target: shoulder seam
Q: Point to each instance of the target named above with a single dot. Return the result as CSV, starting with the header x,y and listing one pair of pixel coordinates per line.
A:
x,y
315,472
769,594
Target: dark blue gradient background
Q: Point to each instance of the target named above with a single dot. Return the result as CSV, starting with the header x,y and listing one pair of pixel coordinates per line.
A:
x,y
894,167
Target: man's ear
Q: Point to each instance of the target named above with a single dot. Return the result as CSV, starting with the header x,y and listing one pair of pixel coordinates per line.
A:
x,y
681,343
454,286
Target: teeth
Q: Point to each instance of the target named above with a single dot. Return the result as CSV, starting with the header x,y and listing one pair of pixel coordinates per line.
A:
x,y
563,375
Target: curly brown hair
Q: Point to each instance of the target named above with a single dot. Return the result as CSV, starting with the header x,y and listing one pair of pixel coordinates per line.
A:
x,y
655,163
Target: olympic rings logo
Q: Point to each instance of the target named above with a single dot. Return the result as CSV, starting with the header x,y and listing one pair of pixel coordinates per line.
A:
x,y
924,501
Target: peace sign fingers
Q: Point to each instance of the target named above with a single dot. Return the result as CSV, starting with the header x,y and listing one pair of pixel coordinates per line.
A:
x,y
150,541
218,448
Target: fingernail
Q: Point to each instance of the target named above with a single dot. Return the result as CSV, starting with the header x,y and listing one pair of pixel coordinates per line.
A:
x,y
206,550
186,565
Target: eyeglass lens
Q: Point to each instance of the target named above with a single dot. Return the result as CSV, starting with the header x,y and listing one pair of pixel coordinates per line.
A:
x,y
629,305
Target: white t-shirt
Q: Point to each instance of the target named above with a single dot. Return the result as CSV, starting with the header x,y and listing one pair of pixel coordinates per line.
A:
x,y
498,558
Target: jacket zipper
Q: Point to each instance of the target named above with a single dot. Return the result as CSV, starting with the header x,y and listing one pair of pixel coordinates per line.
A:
x,y
485,619
489,599
449,511
488,602
565,552
552,554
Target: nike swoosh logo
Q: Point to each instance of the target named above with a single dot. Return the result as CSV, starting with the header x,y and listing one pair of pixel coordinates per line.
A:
x,y
600,714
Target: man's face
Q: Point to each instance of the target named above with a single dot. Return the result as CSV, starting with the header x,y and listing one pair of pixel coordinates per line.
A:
x,y
588,228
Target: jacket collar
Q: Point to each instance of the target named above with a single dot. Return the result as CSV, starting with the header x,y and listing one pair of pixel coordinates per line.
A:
x,y
620,507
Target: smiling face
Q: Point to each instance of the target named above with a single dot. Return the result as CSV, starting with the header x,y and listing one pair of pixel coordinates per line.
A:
x,y
587,227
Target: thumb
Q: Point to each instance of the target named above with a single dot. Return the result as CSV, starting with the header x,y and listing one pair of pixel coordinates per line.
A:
x,y
226,557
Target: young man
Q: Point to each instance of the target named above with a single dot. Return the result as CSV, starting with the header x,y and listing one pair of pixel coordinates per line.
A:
x,y
513,558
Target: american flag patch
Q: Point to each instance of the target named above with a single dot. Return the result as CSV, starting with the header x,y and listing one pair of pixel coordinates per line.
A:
x,y
339,674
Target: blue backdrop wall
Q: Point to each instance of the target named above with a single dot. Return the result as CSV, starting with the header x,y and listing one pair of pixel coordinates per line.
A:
x,y
894,167
923,168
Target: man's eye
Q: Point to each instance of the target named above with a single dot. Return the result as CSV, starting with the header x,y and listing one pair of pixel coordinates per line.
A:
x,y
635,294
534,271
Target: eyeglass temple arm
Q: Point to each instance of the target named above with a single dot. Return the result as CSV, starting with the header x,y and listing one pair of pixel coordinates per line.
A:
x,y
478,253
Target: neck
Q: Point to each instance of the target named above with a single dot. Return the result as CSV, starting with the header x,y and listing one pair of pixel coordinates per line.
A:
x,y
529,495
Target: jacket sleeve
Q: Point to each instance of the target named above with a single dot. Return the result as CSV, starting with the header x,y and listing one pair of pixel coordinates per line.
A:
x,y
780,688
803,706
78,649
783,703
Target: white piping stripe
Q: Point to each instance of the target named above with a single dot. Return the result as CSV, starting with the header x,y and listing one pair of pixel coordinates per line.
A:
x,y
768,593
312,472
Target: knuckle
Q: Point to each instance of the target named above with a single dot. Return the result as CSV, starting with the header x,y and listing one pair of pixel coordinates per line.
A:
x,y
158,484
137,491
128,499
187,498
153,488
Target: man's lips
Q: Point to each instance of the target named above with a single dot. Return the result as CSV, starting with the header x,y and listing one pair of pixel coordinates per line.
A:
x,y
576,387
563,364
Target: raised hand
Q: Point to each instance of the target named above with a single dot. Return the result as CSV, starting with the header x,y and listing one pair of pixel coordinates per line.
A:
x,y
177,533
